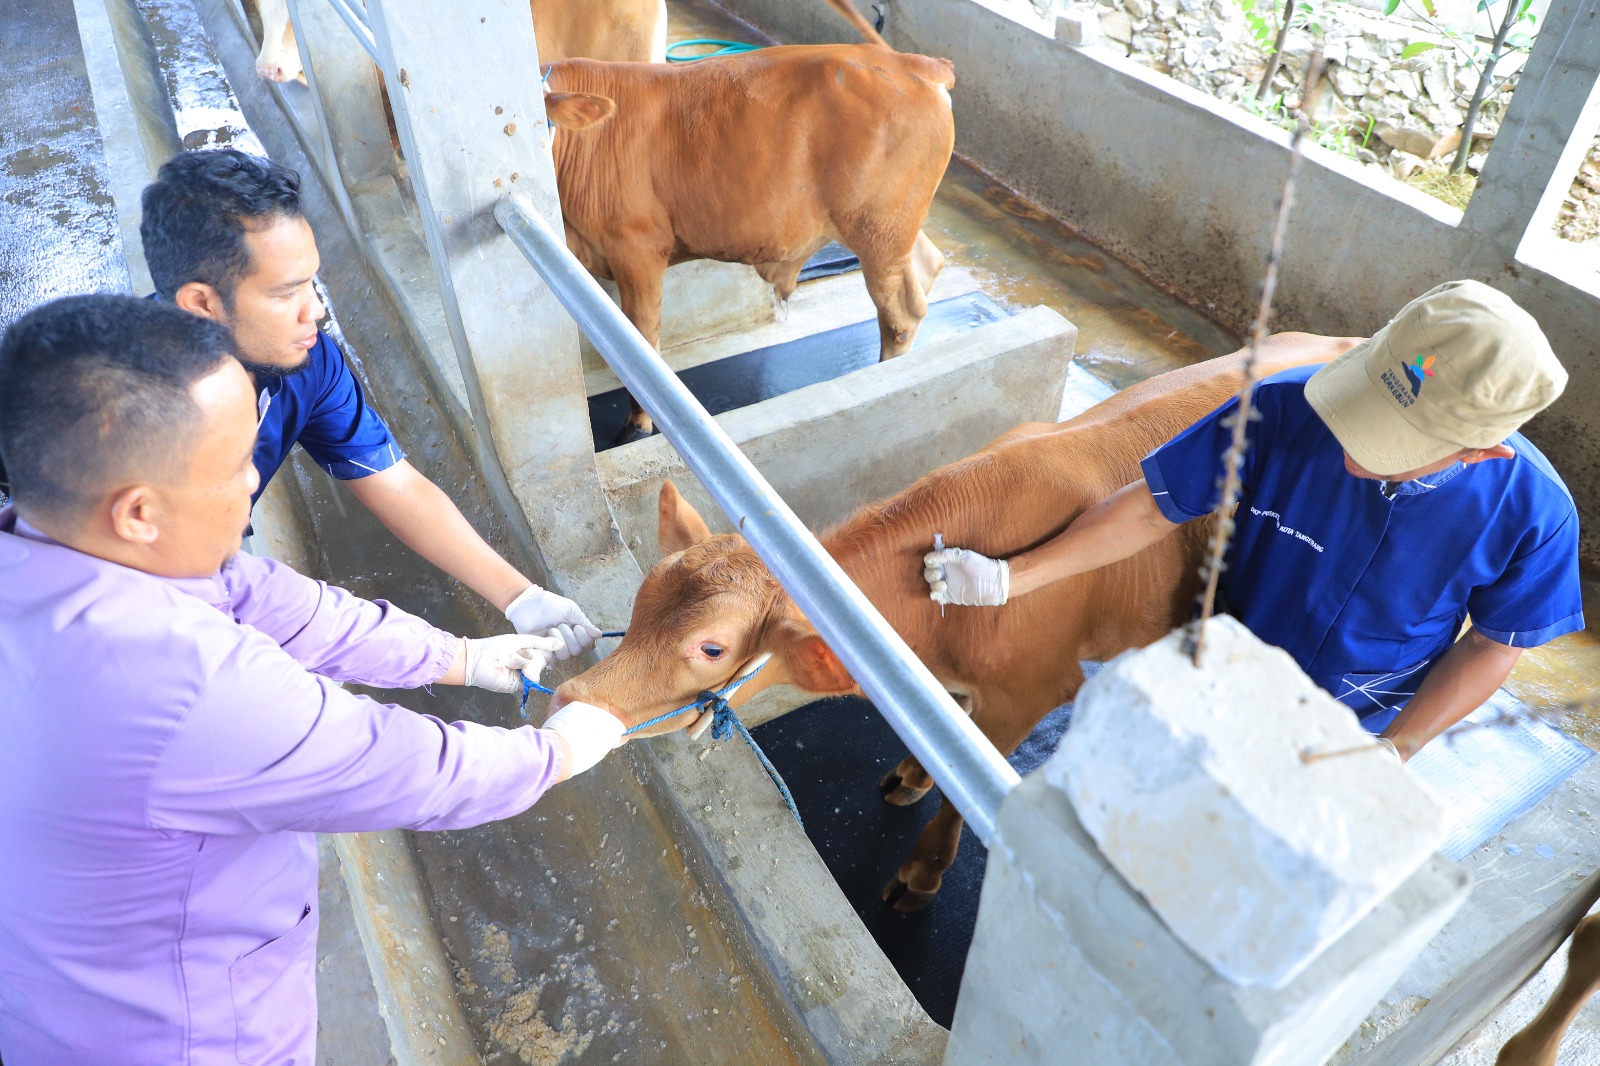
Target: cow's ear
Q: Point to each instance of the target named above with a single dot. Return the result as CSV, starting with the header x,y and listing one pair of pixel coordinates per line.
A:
x,y
678,525
813,667
578,111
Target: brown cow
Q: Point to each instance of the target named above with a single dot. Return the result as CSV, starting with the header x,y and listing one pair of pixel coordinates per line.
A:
x,y
761,159
1537,1044
710,607
604,29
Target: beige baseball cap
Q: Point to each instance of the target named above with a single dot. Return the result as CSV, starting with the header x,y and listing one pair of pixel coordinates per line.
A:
x,y
1461,366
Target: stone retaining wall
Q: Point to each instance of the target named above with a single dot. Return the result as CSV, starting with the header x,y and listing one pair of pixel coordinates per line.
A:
x,y
1401,114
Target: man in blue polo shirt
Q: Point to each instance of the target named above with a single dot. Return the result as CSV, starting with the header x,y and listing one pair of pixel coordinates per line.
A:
x,y
226,239
1386,498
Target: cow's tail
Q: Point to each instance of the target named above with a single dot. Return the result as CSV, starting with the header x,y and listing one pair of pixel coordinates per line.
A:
x,y
859,21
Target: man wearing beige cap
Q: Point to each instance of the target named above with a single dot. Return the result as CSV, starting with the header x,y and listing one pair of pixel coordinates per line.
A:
x,y
1386,497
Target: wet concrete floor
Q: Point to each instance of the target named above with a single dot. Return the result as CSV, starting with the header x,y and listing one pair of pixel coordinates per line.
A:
x,y
58,226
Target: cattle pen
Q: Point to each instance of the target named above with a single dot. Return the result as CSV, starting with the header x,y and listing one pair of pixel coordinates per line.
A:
x,y
666,907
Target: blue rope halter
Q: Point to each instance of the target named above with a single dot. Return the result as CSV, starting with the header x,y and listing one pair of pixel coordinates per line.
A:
x,y
724,721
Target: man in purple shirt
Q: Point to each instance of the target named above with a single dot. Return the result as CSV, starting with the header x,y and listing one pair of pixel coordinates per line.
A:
x,y
175,731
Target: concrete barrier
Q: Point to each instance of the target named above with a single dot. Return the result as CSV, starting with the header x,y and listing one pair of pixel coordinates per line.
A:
x,y
699,300
1069,964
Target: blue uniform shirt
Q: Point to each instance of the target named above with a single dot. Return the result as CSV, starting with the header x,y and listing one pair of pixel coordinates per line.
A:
x,y
324,408
1365,583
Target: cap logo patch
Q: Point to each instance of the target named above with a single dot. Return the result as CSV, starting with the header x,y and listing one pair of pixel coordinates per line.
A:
x,y
1405,392
1421,367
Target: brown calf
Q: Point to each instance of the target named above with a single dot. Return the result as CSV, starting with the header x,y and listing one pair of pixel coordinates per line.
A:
x,y
604,29
760,159
1537,1044
710,607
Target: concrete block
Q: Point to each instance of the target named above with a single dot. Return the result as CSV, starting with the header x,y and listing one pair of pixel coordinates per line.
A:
x,y
1078,28
1195,786
1070,964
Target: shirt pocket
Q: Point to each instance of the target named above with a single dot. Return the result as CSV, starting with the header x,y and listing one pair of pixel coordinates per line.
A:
x,y
1366,693
274,992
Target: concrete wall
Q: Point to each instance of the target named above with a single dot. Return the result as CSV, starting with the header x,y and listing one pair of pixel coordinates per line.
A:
x,y
1185,188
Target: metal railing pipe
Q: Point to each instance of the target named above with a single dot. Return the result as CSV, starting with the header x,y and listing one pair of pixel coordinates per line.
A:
x,y
357,21
971,772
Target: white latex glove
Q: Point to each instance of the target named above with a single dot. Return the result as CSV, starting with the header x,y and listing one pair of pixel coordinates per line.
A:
x,y
498,663
539,610
588,731
960,576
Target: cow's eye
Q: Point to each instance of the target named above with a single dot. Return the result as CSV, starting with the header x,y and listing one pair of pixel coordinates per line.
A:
x,y
712,651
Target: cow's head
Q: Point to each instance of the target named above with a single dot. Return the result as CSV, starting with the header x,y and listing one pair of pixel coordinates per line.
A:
x,y
705,614
279,58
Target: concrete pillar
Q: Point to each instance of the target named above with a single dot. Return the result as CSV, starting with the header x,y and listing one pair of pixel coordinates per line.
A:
x,y
1548,125
1104,949
472,132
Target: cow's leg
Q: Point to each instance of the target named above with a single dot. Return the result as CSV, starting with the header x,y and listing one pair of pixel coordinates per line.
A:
x,y
639,288
896,288
909,782
906,783
1006,718
919,877
1537,1044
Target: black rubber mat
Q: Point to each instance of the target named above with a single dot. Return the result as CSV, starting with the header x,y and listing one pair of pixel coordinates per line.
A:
x,y
832,755
833,258
741,380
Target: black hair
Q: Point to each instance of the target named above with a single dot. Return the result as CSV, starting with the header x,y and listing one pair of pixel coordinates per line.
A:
x,y
195,214
96,388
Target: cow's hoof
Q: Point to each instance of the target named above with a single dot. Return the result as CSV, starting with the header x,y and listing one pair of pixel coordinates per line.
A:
x,y
894,790
630,433
904,898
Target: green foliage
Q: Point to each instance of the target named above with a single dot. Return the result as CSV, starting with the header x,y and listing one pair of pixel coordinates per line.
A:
x,y
1416,48
1308,15
1260,28
1343,136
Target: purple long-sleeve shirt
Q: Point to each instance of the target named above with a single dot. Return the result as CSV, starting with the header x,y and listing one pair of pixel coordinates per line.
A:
x,y
167,750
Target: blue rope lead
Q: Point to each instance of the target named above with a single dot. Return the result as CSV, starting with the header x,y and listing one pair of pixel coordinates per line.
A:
x,y
724,721
723,48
